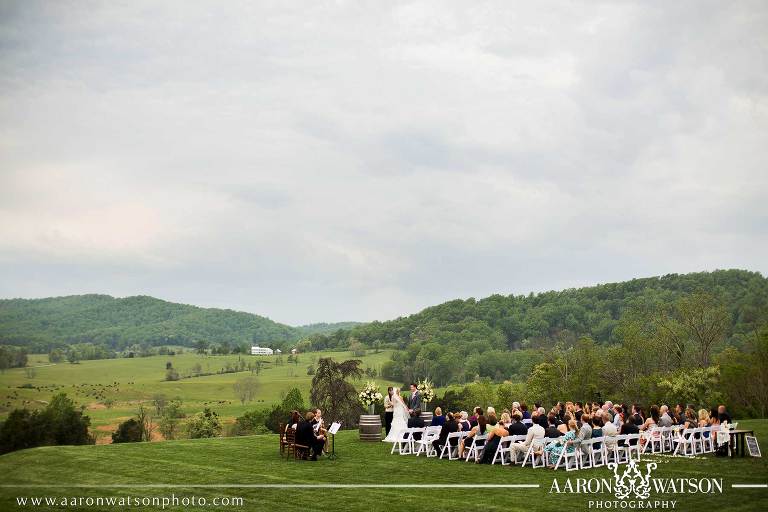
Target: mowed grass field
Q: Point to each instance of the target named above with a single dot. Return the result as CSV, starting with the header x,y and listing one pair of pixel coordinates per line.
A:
x,y
234,462
130,381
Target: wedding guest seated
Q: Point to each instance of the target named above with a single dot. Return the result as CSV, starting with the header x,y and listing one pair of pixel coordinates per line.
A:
x,y
585,432
597,426
491,419
578,410
449,426
306,436
652,420
534,436
608,409
563,427
494,437
650,423
678,415
517,427
416,421
689,419
618,416
551,430
566,442
478,411
629,427
714,418
610,431
665,420
637,415
703,418
560,410
438,420
723,415
478,429
542,418
524,410
464,424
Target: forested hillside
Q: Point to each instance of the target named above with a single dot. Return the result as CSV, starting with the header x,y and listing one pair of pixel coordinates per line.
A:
x,y
41,324
516,321
503,337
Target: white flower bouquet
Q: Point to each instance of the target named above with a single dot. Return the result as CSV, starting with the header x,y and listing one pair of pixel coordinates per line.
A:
x,y
370,394
426,390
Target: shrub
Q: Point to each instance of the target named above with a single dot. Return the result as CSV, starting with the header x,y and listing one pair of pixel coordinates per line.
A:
x,y
129,431
60,423
204,424
250,423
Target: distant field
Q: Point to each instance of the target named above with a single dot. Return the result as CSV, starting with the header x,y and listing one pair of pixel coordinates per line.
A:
x,y
130,381
235,463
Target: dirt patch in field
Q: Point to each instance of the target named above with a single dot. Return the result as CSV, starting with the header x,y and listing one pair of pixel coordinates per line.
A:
x,y
96,406
104,433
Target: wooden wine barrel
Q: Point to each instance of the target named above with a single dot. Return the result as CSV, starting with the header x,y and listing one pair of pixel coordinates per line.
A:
x,y
427,417
370,427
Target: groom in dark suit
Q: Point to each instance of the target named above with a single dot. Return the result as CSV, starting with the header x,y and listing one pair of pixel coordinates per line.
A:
x,y
414,402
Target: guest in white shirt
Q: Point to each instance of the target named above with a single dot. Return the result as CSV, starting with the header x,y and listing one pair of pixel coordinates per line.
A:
x,y
609,433
534,436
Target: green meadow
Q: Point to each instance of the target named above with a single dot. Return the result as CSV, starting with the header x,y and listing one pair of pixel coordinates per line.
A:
x,y
224,467
125,382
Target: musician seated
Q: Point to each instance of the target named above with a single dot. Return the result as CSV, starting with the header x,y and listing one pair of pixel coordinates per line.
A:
x,y
306,436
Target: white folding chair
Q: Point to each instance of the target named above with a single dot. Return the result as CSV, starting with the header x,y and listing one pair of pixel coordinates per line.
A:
x,y
475,450
528,422
536,453
708,440
597,454
504,447
666,439
425,444
570,460
652,439
685,443
405,444
632,444
614,449
452,450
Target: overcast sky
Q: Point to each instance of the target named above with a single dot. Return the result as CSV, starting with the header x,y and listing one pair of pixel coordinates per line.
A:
x,y
330,161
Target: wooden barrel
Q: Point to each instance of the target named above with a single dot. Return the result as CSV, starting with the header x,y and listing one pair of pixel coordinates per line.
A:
x,y
427,417
370,427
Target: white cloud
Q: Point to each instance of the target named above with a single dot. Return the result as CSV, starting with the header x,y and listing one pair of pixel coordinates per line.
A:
x,y
333,161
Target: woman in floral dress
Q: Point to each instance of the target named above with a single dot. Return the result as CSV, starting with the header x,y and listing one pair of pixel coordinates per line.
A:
x,y
553,450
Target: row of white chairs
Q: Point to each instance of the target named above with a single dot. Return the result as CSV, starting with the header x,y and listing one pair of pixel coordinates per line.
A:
x,y
590,453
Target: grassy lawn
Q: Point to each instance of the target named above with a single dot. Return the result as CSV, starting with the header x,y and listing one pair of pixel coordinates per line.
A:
x,y
255,460
128,381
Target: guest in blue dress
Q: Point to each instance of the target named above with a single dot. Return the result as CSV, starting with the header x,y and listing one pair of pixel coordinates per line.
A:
x,y
438,420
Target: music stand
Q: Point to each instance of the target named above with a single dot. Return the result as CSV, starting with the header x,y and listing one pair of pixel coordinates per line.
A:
x,y
335,426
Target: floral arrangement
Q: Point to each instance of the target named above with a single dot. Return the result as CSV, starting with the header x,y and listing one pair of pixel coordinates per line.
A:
x,y
370,394
426,390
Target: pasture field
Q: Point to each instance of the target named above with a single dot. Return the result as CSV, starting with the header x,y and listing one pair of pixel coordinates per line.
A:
x,y
223,466
128,381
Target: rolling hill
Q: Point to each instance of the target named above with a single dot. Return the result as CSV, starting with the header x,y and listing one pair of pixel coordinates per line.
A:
x,y
121,322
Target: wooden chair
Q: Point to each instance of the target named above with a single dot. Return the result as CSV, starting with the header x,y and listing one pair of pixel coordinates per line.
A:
x,y
299,451
281,429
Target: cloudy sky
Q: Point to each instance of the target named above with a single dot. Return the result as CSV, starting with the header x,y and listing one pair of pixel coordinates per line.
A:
x,y
327,161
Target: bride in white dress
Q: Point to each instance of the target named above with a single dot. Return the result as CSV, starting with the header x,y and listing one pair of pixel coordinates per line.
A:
x,y
399,417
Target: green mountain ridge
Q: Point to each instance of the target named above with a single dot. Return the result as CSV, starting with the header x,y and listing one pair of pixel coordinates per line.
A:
x,y
497,322
121,322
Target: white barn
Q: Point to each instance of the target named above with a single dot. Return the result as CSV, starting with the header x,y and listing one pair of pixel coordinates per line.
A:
x,y
261,351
